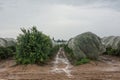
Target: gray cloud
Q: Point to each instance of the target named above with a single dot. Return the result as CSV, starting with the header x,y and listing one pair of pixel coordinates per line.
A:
x,y
60,18
1,7
107,3
114,4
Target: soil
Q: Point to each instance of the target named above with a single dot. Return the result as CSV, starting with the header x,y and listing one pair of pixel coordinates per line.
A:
x,y
108,68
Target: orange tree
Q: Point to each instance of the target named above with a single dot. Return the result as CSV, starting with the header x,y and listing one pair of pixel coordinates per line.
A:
x,y
32,47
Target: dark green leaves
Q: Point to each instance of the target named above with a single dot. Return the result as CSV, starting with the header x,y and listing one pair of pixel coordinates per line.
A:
x,y
6,52
33,47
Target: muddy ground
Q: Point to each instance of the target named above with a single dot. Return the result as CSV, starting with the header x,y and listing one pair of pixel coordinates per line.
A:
x,y
108,68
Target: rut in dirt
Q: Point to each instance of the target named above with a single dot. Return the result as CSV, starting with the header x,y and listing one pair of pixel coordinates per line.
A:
x,y
62,64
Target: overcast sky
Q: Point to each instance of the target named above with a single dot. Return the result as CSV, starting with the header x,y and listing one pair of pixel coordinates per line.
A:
x,y
61,19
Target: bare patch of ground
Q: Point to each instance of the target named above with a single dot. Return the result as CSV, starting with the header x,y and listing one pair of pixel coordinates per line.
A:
x,y
108,68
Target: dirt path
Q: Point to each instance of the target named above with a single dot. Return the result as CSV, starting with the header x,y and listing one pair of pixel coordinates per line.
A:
x,y
62,64
106,69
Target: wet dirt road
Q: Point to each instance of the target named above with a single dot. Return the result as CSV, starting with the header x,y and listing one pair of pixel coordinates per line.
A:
x,y
106,69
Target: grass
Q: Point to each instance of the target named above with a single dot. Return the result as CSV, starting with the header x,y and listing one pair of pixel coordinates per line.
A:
x,y
82,61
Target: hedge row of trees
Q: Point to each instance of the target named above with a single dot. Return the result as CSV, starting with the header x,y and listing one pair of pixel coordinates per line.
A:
x,y
111,51
32,47
6,52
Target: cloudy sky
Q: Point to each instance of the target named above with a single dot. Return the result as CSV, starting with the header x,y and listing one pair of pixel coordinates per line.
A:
x,y
61,19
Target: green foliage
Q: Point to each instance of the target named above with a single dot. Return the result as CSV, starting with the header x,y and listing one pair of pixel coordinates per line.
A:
x,y
6,52
82,61
111,51
33,47
13,48
69,53
71,57
53,51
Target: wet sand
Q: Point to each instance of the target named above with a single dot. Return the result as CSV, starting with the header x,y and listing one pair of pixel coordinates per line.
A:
x,y
95,70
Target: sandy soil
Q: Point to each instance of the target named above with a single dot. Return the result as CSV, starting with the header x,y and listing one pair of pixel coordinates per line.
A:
x,y
108,68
